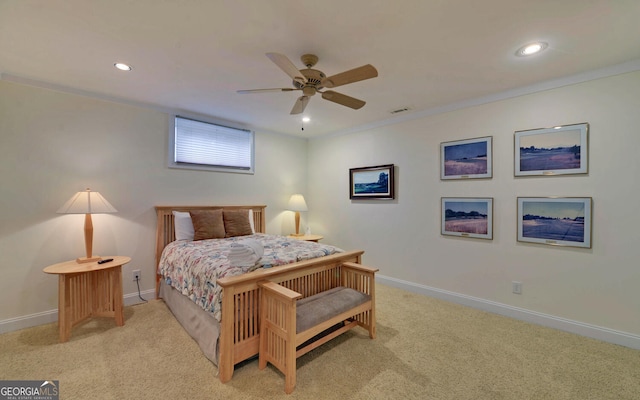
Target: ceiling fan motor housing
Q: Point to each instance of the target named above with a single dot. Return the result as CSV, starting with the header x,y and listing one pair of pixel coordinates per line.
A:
x,y
314,79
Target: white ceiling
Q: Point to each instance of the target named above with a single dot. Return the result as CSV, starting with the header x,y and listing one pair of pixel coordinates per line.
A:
x,y
193,55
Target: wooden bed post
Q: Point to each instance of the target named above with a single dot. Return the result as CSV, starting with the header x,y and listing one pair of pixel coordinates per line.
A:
x,y
226,359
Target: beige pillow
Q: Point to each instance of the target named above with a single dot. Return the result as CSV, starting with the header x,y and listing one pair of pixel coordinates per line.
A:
x,y
207,224
236,223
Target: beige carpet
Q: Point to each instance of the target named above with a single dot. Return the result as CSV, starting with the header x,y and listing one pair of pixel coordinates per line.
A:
x,y
426,349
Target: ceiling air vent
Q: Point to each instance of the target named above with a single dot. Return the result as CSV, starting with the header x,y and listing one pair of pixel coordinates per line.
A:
x,y
400,110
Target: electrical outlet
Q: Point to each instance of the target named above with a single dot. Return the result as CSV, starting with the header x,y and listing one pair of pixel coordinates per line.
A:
x,y
136,275
516,287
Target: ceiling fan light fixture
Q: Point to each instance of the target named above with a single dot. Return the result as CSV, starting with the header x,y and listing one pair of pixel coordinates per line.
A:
x,y
308,90
531,49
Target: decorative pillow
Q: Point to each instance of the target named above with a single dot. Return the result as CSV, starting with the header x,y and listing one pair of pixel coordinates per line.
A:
x,y
236,223
207,224
182,225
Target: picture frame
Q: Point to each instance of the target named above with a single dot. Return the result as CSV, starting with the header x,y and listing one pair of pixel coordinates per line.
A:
x,y
561,150
375,182
467,217
556,221
467,159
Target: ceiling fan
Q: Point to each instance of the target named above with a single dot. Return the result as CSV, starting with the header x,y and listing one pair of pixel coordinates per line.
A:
x,y
311,81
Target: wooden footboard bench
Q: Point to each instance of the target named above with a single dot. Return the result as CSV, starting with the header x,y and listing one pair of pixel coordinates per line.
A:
x,y
289,322
240,324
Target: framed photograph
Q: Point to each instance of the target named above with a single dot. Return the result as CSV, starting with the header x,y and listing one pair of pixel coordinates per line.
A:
x,y
559,150
558,221
466,159
467,217
371,182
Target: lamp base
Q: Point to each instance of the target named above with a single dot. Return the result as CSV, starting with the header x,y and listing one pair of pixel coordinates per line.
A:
x,y
82,260
297,234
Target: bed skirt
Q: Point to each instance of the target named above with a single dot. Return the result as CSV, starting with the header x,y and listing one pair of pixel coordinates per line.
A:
x,y
200,324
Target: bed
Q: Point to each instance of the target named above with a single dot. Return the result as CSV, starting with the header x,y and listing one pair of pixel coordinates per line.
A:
x,y
229,334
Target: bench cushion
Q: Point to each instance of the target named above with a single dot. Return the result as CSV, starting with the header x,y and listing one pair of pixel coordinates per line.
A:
x,y
321,307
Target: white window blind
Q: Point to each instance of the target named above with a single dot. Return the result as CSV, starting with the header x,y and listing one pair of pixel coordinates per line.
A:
x,y
205,144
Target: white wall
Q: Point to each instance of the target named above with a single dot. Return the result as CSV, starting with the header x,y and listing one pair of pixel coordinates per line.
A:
x,y
54,144
597,286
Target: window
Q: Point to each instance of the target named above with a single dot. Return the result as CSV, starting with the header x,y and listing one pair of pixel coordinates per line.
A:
x,y
203,145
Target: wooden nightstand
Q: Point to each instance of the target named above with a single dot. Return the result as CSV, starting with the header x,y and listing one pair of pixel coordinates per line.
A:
x,y
88,290
308,238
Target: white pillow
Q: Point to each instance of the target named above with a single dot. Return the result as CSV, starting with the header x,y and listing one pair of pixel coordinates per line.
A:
x,y
253,228
183,225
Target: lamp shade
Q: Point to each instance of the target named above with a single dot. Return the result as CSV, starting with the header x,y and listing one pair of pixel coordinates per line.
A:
x,y
297,203
87,202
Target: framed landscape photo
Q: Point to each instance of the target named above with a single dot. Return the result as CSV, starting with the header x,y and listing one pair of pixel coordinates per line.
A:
x,y
371,182
559,150
466,159
558,221
467,217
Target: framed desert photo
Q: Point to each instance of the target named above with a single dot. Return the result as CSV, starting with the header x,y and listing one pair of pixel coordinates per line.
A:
x,y
466,159
467,217
559,150
371,182
558,221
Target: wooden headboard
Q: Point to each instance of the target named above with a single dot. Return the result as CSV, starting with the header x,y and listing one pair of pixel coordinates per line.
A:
x,y
165,233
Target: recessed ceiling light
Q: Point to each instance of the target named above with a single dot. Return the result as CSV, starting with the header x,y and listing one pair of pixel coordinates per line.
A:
x,y
122,66
531,48
306,119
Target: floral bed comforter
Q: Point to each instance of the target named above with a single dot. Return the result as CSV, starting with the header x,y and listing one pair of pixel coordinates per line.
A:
x,y
194,267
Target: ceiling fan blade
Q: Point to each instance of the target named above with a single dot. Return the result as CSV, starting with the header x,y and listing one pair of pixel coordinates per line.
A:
x,y
265,90
343,99
354,75
287,66
300,105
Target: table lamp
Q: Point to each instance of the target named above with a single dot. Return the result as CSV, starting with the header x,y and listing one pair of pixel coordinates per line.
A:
x,y
297,204
87,203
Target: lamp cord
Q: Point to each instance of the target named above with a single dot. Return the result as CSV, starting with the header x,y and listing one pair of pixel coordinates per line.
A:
x,y
139,295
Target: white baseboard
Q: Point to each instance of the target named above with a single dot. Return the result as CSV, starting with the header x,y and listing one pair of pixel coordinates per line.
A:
x,y
46,317
567,325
